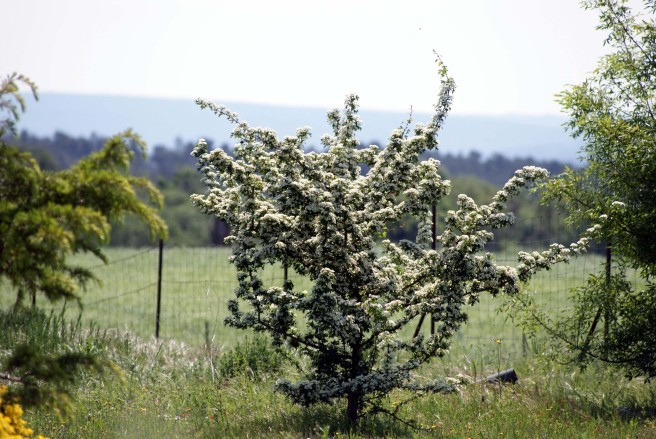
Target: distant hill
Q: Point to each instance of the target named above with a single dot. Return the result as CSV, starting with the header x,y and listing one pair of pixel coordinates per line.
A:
x,y
173,121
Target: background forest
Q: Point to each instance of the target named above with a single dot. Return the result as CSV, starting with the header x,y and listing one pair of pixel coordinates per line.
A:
x,y
173,170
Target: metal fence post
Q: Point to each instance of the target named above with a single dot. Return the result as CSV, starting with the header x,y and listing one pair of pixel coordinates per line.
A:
x,y
159,287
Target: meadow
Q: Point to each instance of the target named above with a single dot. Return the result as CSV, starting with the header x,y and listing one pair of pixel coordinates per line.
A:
x,y
197,282
167,389
202,379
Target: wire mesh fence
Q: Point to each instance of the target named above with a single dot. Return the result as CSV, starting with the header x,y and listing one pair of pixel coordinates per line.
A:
x,y
196,283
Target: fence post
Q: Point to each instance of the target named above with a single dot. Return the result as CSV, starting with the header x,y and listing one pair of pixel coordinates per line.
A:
x,y
159,287
607,311
601,309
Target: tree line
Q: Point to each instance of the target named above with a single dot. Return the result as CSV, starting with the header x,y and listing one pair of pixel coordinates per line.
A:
x,y
173,171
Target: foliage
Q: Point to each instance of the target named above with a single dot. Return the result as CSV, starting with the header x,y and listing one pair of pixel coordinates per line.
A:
x,y
613,112
12,101
60,151
169,167
495,169
321,215
43,357
186,227
253,358
46,380
46,216
170,390
627,338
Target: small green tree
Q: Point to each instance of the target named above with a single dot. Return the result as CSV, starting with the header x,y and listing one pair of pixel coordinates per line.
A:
x,y
46,216
613,113
12,101
319,215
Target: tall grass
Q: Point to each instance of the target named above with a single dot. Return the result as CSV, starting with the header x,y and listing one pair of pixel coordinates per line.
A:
x,y
171,390
202,379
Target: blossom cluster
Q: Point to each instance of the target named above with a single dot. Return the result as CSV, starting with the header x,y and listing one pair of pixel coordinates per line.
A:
x,y
322,216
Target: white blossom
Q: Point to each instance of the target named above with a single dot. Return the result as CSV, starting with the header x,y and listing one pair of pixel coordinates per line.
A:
x,y
320,216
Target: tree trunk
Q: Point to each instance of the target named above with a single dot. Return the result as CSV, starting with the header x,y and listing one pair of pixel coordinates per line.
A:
x,y
355,395
20,299
353,408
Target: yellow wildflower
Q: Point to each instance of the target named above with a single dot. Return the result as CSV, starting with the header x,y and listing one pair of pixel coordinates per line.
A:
x,y
12,424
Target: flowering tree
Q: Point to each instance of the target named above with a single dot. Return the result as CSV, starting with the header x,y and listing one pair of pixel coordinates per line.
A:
x,y
320,215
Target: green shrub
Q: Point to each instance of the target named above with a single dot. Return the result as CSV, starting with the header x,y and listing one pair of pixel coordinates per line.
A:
x,y
253,357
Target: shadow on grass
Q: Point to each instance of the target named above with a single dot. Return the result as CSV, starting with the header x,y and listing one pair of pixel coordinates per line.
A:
x,y
318,421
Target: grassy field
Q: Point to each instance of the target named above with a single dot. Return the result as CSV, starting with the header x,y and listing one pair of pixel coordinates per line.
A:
x,y
197,282
181,386
166,389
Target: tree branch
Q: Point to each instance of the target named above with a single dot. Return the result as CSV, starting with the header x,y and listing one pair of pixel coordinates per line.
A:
x,y
7,377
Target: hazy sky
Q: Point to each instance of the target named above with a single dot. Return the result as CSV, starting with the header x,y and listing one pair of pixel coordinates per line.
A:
x,y
507,56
